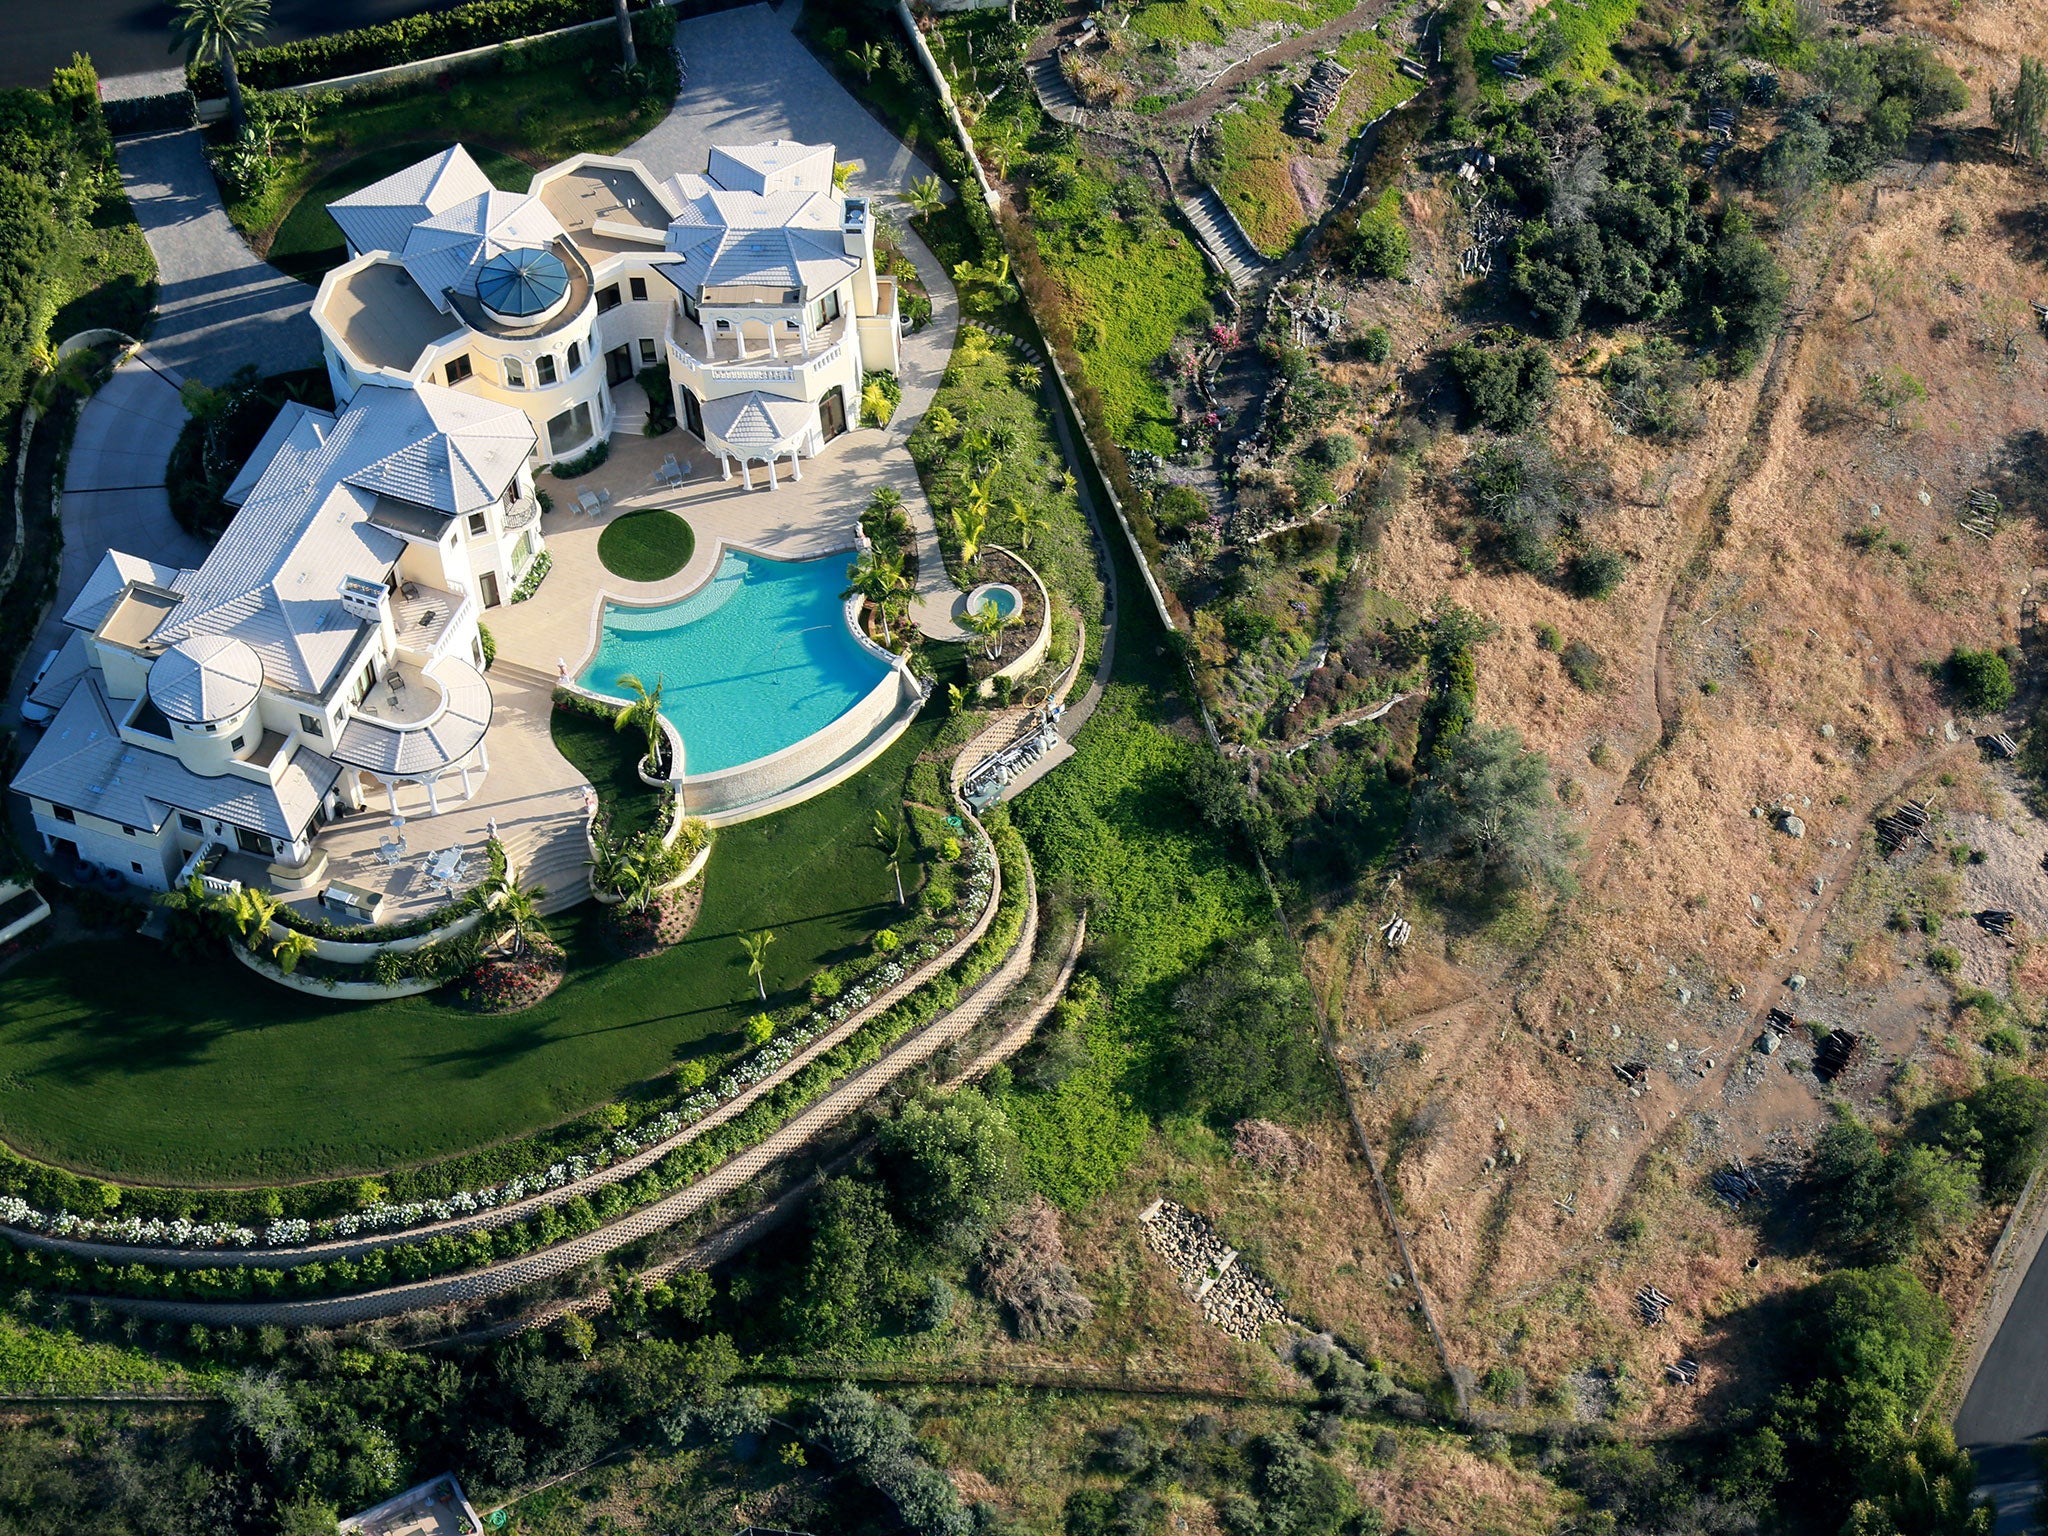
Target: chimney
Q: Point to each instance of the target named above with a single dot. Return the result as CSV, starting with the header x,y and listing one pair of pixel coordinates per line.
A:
x,y
858,233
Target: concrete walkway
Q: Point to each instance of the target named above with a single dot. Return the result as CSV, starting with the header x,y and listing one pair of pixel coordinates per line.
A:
x,y
218,307
751,79
114,494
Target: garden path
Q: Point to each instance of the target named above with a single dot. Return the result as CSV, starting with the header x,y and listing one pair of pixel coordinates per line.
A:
x,y
217,306
844,1100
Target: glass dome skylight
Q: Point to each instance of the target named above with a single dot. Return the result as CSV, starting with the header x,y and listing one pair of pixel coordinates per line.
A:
x,y
522,283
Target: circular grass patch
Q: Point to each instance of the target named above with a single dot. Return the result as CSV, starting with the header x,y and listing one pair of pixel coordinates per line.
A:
x,y
649,545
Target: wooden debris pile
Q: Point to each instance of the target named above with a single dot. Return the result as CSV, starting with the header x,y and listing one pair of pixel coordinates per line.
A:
x,y
2002,744
1902,826
1634,1073
1736,1183
1832,1057
1413,68
1996,920
1651,1305
1981,513
1684,1371
1317,98
1230,1296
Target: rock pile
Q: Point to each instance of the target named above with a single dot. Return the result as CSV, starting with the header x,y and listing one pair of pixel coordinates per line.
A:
x,y
1229,1294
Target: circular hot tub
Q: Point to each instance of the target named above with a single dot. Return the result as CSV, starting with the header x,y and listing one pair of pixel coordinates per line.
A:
x,y
1005,599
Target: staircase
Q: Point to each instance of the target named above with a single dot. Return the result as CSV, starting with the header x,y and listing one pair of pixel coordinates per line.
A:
x,y
629,408
551,851
1222,239
1054,94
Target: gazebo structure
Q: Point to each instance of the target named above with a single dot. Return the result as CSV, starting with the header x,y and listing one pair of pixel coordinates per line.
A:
x,y
761,427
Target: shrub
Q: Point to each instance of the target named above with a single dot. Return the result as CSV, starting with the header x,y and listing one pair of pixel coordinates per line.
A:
x,y
1595,571
1176,508
1982,680
1381,249
1506,384
1944,961
1583,666
1374,344
583,463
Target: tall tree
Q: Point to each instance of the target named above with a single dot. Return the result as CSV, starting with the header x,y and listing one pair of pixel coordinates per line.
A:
x,y
2018,113
642,714
218,30
627,51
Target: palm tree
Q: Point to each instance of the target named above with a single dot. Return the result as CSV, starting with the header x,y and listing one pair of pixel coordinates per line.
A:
x,y
970,518
251,911
894,839
756,946
218,30
644,713
209,407
867,58
625,25
993,276
988,623
842,174
1029,521
876,578
291,949
926,196
518,909
956,697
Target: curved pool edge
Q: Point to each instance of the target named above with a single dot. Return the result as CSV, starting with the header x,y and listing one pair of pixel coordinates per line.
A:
x,y
830,774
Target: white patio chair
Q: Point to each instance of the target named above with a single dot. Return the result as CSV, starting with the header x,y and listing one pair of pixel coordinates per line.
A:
x,y
588,502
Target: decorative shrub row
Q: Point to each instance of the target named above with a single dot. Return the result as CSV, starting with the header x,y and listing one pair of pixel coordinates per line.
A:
x,y
448,1254
412,38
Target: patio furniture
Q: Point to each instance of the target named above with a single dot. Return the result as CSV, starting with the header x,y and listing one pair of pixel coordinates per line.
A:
x,y
442,866
389,852
588,503
409,589
603,496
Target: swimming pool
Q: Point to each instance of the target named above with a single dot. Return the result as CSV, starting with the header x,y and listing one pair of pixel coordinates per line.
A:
x,y
753,662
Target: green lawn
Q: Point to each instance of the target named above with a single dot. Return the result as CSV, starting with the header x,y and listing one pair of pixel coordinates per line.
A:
x,y
651,544
308,243
117,1059
540,114
610,759
1246,161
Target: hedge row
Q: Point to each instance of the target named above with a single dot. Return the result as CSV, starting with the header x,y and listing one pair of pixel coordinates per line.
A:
x,y
412,38
445,1254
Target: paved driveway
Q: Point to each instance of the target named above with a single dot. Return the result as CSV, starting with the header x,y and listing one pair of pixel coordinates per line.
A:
x,y
749,80
2007,1405
217,306
114,494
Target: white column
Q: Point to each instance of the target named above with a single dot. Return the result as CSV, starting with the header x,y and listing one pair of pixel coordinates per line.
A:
x,y
468,792
746,471
483,756
391,790
724,466
774,345
433,793
773,483
796,468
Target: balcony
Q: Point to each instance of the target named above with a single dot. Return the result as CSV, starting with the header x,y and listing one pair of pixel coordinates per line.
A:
x,y
423,617
751,358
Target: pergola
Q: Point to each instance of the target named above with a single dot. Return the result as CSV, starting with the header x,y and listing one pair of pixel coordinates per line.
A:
x,y
760,428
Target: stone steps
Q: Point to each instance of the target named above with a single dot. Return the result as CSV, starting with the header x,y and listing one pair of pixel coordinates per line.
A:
x,y
1053,91
1221,237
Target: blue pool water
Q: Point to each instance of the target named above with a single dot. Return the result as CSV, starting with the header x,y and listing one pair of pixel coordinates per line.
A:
x,y
753,662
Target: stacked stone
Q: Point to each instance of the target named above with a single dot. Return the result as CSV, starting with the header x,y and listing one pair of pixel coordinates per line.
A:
x,y
1229,1294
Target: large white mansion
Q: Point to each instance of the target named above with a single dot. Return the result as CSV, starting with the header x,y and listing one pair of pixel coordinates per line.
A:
x,y
754,284
327,648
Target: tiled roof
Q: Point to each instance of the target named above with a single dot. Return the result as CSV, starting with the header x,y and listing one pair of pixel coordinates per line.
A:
x,y
379,217
761,233
83,763
443,252
71,664
209,677
272,579
780,165
446,739
108,581
758,421
273,438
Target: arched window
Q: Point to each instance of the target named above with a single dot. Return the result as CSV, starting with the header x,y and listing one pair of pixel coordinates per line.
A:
x,y
575,357
515,376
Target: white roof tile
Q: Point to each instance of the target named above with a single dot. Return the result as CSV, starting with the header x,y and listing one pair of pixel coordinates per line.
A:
x,y
379,217
108,581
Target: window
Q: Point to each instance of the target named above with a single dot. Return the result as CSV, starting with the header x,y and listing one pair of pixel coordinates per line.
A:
x,y
724,326
310,724
639,285
608,297
64,813
690,307
826,309
236,744
792,325
479,524
457,369
127,831
254,842
575,357
544,370
515,376
649,353
190,822
569,430
135,865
